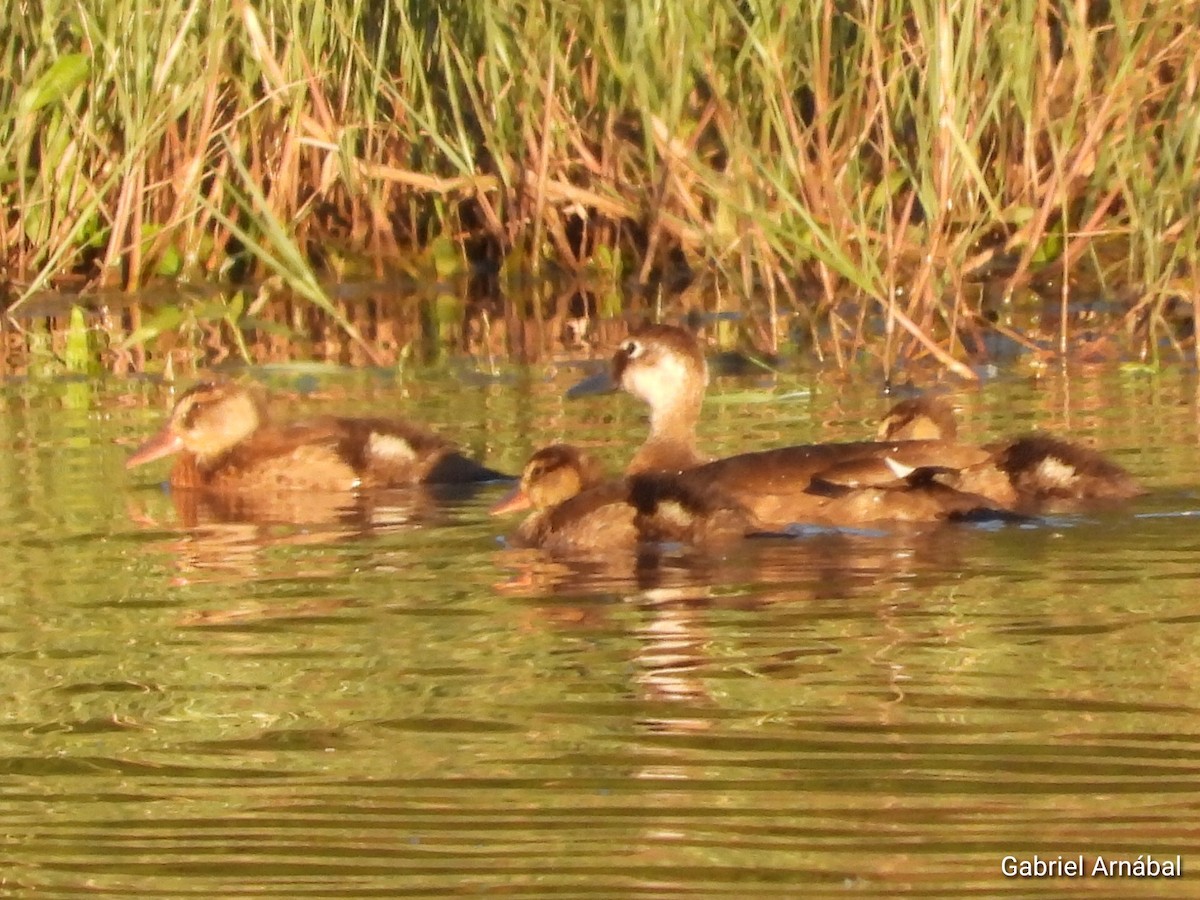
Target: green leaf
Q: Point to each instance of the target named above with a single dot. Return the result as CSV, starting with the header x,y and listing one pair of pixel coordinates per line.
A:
x,y
77,356
302,367
1051,247
610,305
741,397
166,319
447,259
237,303
211,311
170,263
1138,368
64,75
885,190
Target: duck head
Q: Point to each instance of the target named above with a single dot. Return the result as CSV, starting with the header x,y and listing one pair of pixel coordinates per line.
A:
x,y
552,476
664,367
919,419
209,420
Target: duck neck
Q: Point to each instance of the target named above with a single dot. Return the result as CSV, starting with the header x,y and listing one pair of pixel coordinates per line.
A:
x,y
676,423
671,445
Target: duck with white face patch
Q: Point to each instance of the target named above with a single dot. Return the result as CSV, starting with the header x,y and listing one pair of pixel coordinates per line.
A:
x,y
664,367
843,484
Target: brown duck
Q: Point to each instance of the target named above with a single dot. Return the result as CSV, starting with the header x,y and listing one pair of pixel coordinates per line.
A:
x,y
1033,473
576,508
224,441
831,484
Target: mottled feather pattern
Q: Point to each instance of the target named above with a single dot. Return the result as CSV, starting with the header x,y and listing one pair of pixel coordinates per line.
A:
x,y
917,471
225,442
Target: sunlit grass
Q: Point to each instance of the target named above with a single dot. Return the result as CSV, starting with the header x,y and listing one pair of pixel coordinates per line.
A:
x,y
883,154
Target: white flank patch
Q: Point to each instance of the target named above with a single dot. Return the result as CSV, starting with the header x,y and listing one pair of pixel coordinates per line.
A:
x,y
390,448
1053,470
673,512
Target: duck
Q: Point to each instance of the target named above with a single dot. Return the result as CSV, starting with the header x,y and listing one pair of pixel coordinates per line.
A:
x,y
836,484
224,441
572,503
664,367
577,508
1035,473
1050,474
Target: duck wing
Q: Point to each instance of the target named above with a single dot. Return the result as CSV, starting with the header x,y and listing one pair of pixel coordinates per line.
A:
x,y
793,484
594,520
305,456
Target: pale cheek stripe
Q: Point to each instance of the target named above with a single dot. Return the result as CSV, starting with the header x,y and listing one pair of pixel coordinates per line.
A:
x,y
391,448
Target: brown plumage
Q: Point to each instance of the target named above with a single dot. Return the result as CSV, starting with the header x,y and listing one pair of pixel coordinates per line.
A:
x,y
1032,473
846,483
224,441
672,509
664,367
576,509
1048,474
573,506
920,418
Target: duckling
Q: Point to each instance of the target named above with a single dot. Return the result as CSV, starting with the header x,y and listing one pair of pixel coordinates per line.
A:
x,y
224,441
575,508
1049,474
921,418
1033,473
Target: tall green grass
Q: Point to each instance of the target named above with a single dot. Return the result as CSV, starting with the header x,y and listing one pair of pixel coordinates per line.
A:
x,y
855,162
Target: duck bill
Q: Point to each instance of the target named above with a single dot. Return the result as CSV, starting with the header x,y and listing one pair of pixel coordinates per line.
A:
x,y
165,443
600,383
514,502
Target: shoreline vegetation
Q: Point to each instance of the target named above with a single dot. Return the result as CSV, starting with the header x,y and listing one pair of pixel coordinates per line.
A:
x,y
905,181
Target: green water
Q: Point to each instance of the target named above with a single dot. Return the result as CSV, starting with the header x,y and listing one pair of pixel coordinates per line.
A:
x,y
385,701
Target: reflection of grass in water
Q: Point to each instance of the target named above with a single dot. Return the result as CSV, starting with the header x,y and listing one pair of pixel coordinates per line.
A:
x,y
897,151
175,333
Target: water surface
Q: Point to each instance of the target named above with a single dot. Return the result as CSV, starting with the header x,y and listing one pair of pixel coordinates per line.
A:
x,y
386,701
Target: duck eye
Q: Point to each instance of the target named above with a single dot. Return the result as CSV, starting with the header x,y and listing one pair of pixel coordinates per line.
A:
x,y
191,412
632,349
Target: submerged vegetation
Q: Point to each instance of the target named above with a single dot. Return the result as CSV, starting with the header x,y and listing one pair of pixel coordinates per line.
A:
x,y
904,175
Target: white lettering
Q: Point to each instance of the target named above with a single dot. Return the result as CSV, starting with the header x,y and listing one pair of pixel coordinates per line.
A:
x,y
1037,867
